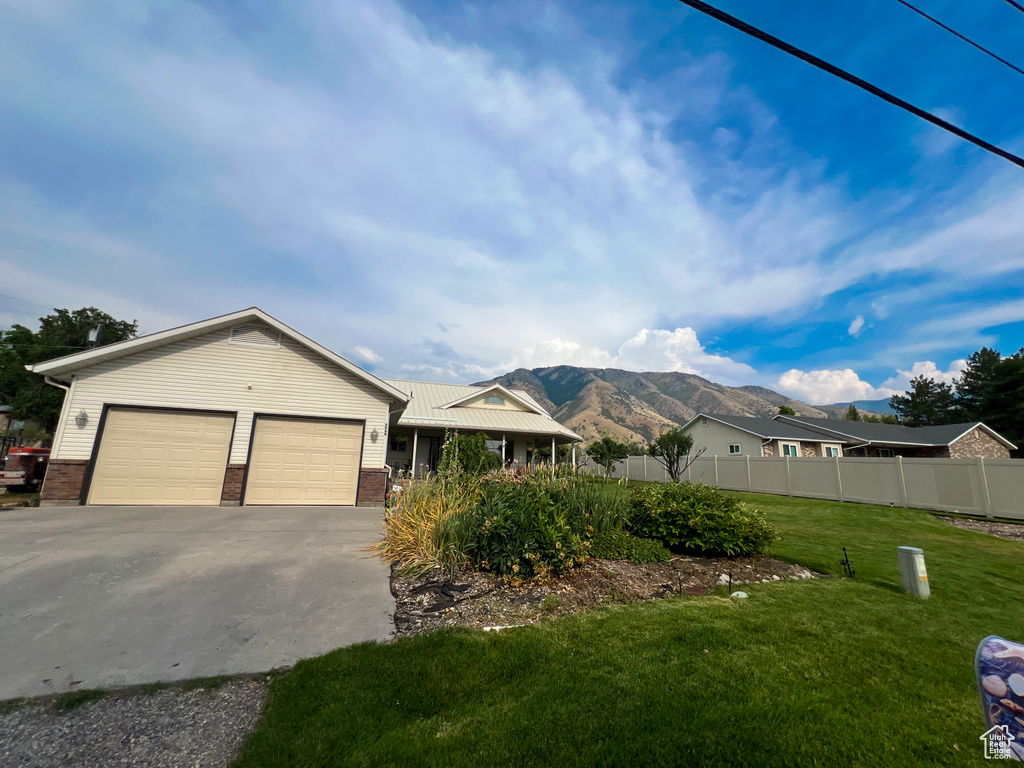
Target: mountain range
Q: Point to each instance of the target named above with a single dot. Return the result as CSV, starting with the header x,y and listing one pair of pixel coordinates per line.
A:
x,y
640,406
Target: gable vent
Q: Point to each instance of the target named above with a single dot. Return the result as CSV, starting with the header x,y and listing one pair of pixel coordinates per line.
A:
x,y
254,336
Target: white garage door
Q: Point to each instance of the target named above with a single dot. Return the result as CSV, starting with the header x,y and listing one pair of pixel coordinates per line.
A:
x,y
304,461
161,457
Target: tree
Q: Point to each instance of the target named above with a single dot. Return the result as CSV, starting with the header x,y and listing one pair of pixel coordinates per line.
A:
x,y
927,403
885,418
785,410
606,452
975,382
852,414
672,450
62,333
1003,404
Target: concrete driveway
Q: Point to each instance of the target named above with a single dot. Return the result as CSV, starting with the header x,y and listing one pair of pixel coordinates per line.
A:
x,y
105,596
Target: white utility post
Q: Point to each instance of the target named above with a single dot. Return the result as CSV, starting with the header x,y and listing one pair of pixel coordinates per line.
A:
x,y
645,468
415,443
574,457
504,458
913,575
716,471
552,456
749,486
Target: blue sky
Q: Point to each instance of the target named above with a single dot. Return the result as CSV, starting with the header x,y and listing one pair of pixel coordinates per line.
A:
x,y
447,191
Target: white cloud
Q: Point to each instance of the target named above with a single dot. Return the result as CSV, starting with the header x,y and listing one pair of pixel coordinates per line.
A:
x,y
647,350
928,369
367,355
824,387
856,326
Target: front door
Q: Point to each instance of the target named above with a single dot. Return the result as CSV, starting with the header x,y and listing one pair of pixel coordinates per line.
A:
x,y
434,454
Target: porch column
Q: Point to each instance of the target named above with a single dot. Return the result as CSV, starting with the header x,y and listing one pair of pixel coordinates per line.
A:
x,y
552,456
504,457
574,457
415,443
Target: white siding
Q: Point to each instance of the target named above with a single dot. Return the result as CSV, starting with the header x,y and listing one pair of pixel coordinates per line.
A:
x,y
208,373
717,437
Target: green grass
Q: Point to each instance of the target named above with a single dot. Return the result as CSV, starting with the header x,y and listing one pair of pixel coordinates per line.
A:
x,y
811,673
74,699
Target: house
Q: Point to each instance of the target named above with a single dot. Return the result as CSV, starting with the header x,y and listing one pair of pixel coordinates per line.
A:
x,y
722,435
242,409
517,427
948,441
803,436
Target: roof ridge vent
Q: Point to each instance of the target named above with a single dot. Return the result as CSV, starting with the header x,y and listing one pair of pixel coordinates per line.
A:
x,y
255,335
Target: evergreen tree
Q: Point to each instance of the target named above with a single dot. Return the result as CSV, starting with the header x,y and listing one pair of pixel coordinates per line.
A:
x,y
927,403
852,414
1003,405
785,410
975,382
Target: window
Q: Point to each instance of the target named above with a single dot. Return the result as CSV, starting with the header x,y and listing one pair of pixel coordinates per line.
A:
x,y
791,449
831,451
704,421
494,400
494,446
398,444
885,453
734,449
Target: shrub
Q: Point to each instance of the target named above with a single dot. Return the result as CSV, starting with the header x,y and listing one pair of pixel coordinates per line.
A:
x,y
518,530
425,524
617,544
698,517
467,454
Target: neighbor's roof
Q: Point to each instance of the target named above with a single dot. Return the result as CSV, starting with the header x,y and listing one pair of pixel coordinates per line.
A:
x,y
765,428
64,366
894,434
432,405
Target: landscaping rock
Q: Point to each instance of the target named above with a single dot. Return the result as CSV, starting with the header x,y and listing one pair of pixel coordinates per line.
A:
x,y
484,600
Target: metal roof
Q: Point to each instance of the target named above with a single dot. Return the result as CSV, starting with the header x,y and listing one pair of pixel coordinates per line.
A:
x,y
767,428
425,409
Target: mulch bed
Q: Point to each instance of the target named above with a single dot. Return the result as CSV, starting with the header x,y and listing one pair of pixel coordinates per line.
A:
x,y
477,599
1002,530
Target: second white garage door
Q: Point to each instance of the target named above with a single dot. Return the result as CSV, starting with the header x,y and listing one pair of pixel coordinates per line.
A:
x,y
304,461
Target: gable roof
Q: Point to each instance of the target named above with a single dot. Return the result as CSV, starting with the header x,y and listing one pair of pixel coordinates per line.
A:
x,y
765,428
519,396
61,367
894,434
435,405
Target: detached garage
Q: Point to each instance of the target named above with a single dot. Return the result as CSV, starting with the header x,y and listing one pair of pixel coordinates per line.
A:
x,y
238,409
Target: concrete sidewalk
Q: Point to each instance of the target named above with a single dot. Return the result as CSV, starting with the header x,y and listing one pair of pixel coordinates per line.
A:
x,y
106,596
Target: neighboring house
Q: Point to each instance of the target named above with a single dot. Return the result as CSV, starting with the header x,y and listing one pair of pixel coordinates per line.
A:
x,y
513,421
721,435
242,409
865,438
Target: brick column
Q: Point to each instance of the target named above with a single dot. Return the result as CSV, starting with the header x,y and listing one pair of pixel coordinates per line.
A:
x,y
62,486
373,484
231,496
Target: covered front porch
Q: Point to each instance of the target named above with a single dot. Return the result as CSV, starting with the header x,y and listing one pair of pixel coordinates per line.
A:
x,y
416,451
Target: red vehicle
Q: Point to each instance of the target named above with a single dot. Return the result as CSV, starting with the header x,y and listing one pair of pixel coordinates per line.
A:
x,y
24,469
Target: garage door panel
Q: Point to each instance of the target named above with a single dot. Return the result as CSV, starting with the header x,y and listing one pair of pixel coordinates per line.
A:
x,y
149,456
304,461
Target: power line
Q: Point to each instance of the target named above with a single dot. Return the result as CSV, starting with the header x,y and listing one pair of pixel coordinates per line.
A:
x,y
742,26
26,301
1016,5
966,39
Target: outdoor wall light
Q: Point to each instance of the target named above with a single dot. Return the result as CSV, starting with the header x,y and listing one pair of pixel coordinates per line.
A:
x,y
374,435
82,419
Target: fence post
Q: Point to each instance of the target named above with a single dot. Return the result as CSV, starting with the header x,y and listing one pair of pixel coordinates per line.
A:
x,y
904,501
716,471
789,479
986,495
839,480
749,486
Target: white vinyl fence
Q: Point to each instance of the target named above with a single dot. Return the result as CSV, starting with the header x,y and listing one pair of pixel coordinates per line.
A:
x,y
983,487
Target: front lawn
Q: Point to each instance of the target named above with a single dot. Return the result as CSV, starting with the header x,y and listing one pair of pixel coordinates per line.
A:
x,y
816,672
